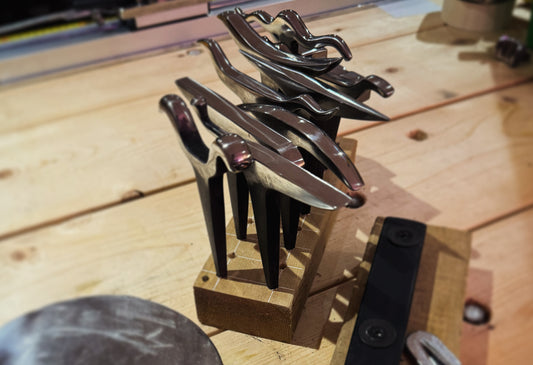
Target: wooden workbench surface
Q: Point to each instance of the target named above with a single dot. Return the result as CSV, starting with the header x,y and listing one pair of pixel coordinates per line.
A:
x,y
97,198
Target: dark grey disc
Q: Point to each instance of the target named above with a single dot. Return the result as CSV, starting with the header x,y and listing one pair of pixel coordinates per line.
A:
x,y
102,330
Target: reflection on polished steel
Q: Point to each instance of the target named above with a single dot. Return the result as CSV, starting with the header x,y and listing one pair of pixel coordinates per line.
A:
x,y
355,85
267,174
247,38
252,91
227,153
290,30
293,82
275,146
310,138
234,120
273,198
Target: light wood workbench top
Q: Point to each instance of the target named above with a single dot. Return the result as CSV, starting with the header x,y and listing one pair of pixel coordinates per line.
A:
x,y
97,198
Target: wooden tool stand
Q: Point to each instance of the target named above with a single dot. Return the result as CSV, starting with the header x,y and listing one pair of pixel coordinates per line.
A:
x,y
242,302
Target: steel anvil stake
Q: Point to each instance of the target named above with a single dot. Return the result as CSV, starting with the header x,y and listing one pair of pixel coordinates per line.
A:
x,y
275,147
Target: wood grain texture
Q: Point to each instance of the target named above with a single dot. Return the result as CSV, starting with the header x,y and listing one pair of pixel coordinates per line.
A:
x,y
98,88
151,248
474,167
500,278
314,339
435,67
480,165
99,131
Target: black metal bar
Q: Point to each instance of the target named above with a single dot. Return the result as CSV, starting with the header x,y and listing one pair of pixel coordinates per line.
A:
x,y
265,203
238,191
212,197
379,333
290,218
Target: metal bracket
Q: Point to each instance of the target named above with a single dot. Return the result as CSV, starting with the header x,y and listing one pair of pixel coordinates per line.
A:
x,y
379,333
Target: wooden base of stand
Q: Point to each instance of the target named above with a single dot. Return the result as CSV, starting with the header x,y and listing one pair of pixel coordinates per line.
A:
x,y
438,300
242,302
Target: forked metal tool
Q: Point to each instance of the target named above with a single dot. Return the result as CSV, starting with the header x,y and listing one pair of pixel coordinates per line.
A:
x,y
249,90
305,135
320,152
247,39
230,118
227,153
289,204
310,138
233,120
292,82
289,29
267,175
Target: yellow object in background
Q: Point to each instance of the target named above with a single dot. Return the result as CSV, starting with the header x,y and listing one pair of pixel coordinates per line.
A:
x,y
40,32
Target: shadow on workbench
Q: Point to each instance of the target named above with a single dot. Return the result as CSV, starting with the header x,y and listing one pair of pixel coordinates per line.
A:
x,y
447,35
325,309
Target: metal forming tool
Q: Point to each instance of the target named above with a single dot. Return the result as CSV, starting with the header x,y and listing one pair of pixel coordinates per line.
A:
x,y
292,82
289,29
266,173
252,91
282,135
247,38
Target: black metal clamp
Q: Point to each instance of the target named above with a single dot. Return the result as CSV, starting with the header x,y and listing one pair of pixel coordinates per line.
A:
x,y
379,332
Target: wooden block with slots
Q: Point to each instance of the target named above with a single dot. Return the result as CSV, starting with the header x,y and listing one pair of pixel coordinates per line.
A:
x,y
242,302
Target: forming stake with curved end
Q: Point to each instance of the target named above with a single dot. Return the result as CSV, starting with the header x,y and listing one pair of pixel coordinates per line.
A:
x,y
228,153
247,38
249,90
289,29
293,82
270,177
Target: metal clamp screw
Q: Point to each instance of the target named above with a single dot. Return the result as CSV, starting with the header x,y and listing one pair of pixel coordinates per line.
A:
x,y
377,333
401,236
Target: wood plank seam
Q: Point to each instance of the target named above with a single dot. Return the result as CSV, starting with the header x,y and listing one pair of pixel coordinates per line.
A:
x,y
501,217
92,210
444,103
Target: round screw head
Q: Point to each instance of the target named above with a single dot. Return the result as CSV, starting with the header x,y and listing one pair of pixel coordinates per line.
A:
x,y
377,333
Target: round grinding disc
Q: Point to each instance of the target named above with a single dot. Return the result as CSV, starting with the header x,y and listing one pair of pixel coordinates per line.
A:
x,y
103,330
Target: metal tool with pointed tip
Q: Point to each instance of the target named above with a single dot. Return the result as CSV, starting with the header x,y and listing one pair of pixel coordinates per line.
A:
x,y
252,91
289,29
307,136
233,120
248,39
293,82
267,203
230,118
227,153
319,150
267,174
